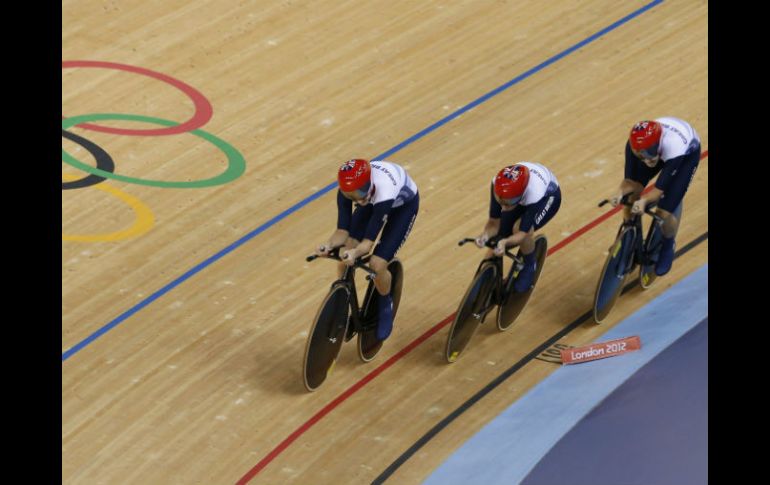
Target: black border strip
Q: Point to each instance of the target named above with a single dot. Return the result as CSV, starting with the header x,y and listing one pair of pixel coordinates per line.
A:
x,y
505,375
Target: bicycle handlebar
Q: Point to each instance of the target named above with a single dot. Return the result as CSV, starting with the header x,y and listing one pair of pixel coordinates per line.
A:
x,y
359,263
491,244
647,209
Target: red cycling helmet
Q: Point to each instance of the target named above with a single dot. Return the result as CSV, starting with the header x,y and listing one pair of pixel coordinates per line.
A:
x,y
354,178
510,184
645,139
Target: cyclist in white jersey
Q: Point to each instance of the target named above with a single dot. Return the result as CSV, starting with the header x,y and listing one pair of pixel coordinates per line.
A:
x,y
386,200
668,146
526,192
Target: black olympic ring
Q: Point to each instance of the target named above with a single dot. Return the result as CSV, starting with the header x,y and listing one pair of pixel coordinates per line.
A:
x,y
103,162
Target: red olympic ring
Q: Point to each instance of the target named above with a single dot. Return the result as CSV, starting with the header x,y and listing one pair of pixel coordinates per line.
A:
x,y
203,109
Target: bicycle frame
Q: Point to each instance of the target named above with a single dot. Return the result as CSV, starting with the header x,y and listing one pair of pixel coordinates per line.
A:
x,y
635,223
348,281
497,294
629,249
487,291
341,316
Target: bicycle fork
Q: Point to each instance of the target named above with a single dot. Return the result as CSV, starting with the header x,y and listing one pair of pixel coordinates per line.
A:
x,y
493,296
343,316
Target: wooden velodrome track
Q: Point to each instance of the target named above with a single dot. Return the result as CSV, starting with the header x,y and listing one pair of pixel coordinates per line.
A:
x,y
202,382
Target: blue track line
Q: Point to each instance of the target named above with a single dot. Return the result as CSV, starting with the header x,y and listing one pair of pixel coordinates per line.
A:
x,y
200,266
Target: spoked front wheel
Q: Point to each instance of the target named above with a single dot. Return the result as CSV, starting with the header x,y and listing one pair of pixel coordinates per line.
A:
x,y
326,337
469,315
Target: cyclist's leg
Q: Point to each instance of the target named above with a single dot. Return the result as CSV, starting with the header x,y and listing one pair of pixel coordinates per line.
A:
x,y
394,235
535,219
670,209
670,204
671,220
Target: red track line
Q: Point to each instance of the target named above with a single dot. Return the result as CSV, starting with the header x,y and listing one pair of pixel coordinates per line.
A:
x,y
599,220
411,346
340,399
588,227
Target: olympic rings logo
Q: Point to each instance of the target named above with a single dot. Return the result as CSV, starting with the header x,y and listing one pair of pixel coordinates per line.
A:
x,y
105,165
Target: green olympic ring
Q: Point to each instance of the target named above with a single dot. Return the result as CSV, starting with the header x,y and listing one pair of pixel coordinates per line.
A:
x,y
236,164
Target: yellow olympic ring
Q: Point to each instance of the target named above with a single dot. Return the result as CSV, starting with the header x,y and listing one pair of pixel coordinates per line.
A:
x,y
143,223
